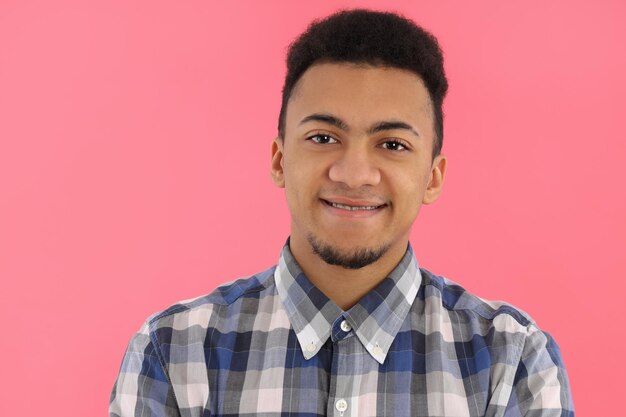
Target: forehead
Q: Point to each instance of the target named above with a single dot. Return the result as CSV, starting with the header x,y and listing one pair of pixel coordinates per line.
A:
x,y
360,93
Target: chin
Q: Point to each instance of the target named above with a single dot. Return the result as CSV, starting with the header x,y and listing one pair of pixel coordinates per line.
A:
x,y
347,256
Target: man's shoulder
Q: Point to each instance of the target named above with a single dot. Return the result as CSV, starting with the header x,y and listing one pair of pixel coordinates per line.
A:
x,y
197,310
454,297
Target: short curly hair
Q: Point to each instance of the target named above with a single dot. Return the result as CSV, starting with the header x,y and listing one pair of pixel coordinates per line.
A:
x,y
374,38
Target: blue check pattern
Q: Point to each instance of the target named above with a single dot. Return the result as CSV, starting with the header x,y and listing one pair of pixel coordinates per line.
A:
x,y
274,345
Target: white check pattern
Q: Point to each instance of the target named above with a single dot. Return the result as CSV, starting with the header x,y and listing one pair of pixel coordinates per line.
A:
x,y
274,345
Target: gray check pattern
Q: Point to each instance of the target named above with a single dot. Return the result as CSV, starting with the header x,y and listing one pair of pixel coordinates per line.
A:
x,y
274,345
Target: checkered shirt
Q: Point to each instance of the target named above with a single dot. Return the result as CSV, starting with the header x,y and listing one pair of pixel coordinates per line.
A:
x,y
274,345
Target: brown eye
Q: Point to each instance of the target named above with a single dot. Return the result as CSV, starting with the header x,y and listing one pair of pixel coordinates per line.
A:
x,y
394,145
322,139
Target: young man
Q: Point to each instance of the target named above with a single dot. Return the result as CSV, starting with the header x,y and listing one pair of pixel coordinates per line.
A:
x,y
347,324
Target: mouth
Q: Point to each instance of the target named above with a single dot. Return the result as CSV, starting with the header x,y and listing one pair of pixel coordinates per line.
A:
x,y
356,206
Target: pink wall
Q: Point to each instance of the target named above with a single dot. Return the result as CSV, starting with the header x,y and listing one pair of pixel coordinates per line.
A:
x,y
134,172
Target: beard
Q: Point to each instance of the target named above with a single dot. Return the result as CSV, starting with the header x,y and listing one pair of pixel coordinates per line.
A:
x,y
354,259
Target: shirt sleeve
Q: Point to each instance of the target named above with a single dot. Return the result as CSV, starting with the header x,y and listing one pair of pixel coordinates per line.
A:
x,y
143,387
541,387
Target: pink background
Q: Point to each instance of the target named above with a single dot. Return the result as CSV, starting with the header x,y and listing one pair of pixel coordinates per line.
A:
x,y
134,172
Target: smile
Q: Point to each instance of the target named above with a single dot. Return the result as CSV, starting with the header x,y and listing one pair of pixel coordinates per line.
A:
x,y
352,207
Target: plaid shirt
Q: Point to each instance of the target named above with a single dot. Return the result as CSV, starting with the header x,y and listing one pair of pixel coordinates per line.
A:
x,y
274,345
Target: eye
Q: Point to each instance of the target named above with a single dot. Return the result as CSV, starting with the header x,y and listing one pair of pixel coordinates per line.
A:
x,y
322,139
395,145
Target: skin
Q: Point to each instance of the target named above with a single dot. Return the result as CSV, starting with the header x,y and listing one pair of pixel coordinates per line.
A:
x,y
319,162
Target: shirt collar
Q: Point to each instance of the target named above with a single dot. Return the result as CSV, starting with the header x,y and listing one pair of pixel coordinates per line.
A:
x,y
375,319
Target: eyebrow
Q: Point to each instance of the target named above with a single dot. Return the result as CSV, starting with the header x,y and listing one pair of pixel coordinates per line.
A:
x,y
376,127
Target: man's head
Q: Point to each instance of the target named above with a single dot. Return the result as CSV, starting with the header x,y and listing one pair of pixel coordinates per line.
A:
x,y
372,38
357,153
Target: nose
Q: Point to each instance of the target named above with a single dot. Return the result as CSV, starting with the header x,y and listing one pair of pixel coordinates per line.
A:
x,y
355,168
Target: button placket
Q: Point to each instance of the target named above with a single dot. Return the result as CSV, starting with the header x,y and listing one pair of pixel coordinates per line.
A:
x,y
346,371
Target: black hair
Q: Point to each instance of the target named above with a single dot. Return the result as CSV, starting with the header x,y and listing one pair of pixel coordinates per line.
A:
x,y
374,38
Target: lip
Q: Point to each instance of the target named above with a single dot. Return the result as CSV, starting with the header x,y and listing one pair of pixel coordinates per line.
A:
x,y
353,202
352,214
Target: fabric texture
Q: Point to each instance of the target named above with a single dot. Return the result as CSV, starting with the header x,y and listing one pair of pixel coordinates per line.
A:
x,y
274,345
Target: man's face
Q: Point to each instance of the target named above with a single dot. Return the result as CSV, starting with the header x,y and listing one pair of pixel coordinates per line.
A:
x,y
356,160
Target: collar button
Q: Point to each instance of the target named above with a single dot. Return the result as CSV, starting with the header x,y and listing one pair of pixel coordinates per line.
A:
x,y
345,326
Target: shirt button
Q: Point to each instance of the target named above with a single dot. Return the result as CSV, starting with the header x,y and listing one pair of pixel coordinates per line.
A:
x,y
377,350
345,326
310,347
341,405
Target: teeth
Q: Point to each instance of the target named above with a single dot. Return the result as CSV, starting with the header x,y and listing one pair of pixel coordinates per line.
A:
x,y
344,207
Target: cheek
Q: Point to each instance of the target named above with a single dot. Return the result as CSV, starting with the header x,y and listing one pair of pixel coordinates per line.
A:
x,y
407,183
298,187
409,195
305,174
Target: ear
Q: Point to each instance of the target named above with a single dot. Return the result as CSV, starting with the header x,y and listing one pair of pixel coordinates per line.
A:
x,y
278,174
435,183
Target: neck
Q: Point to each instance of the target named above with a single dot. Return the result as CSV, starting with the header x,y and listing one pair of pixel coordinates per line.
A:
x,y
344,286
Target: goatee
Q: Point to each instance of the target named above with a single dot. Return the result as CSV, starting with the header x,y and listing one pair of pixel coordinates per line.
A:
x,y
355,259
